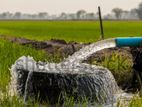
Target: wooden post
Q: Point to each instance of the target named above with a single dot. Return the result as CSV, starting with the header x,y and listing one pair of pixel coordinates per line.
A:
x,y
101,23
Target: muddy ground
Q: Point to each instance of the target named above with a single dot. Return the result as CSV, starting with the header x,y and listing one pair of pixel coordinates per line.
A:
x,y
64,49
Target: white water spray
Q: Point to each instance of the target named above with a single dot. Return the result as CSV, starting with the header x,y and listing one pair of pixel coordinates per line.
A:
x,y
87,51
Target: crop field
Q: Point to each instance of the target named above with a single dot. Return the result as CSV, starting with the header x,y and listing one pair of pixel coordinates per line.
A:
x,y
80,31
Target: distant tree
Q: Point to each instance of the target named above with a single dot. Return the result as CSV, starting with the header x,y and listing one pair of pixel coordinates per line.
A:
x,y
63,16
42,15
80,14
139,10
134,13
5,15
134,10
117,12
17,15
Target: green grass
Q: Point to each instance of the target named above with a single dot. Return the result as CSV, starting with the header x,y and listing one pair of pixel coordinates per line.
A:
x,y
120,66
81,31
9,53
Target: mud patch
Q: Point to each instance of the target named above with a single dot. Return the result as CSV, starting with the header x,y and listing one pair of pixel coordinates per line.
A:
x,y
53,46
63,48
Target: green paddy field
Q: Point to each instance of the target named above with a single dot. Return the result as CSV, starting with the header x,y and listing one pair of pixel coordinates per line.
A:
x,y
80,31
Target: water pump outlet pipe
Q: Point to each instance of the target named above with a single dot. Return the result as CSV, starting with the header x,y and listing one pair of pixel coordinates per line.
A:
x,y
128,41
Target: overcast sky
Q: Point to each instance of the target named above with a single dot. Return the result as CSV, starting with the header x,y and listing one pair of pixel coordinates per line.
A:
x,y
69,6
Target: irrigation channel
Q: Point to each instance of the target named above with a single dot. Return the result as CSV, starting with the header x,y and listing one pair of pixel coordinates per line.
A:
x,y
70,77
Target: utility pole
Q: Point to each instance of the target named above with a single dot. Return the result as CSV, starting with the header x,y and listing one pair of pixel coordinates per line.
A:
x,y
101,23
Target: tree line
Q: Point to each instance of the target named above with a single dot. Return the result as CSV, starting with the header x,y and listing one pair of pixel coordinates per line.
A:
x,y
79,15
116,14
136,12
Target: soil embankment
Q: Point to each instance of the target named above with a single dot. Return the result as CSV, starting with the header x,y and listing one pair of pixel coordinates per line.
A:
x,y
63,48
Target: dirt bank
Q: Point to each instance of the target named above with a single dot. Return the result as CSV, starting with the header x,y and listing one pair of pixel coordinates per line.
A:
x,y
63,48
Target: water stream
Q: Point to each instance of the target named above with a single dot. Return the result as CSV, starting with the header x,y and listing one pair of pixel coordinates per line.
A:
x,y
87,51
71,75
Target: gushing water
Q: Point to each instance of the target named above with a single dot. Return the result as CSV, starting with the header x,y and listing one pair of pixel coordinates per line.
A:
x,y
70,76
85,52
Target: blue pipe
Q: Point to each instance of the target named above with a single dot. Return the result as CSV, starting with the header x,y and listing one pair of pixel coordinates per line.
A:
x,y
129,41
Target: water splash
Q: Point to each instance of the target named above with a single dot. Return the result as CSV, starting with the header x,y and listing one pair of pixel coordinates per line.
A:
x,y
87,51
83,80
72,76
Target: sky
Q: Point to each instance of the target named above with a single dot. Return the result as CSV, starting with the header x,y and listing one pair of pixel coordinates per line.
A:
x,y
68,6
